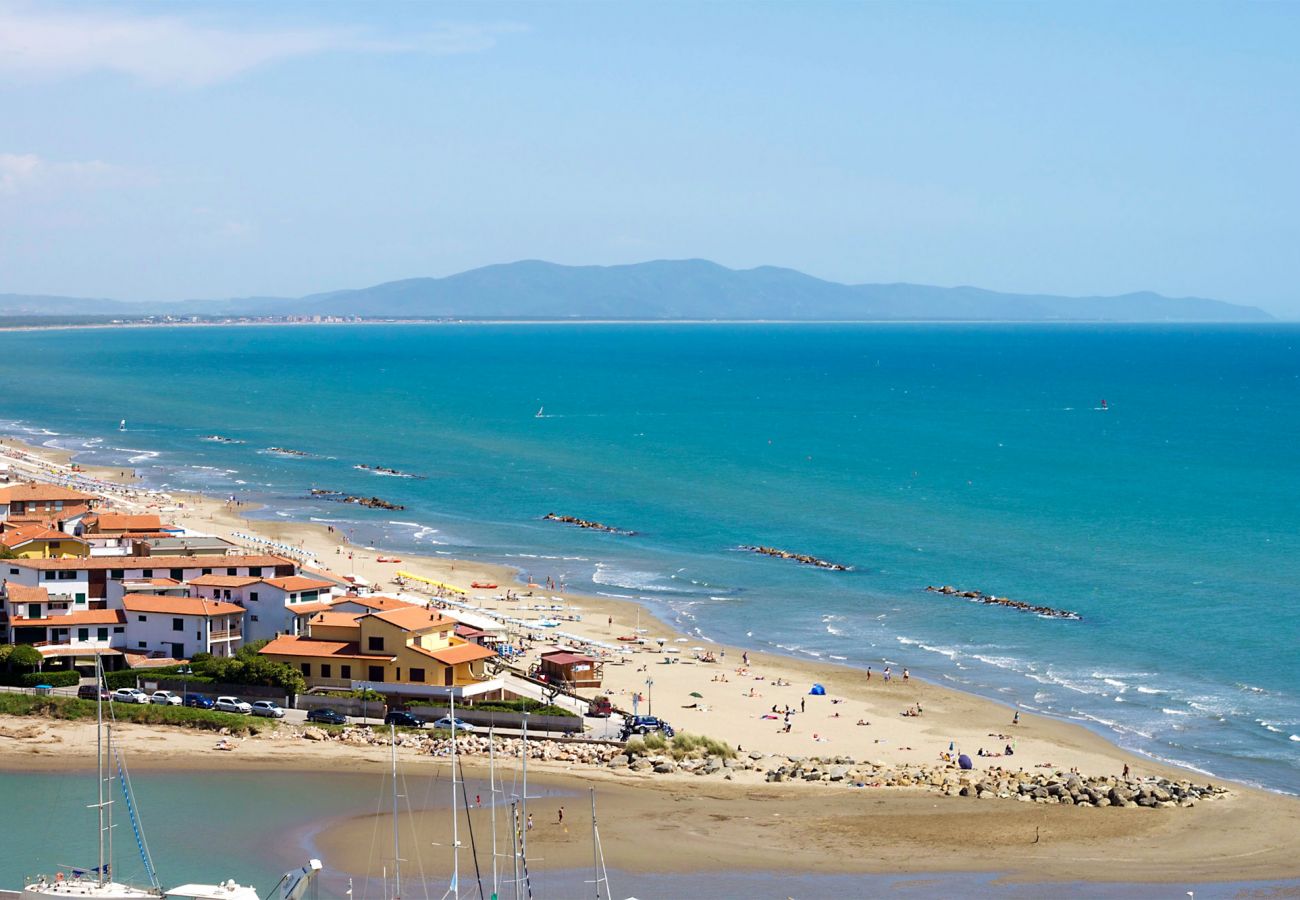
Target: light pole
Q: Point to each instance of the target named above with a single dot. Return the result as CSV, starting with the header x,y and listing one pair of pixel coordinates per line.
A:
x,y
649,697
185,672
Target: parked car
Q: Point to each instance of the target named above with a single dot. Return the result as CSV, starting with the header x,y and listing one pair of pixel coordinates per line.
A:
x,y
644,725
600,707
165,698
328,716
94,692
232,705
268,708
461,724
129,695
403,719
199,701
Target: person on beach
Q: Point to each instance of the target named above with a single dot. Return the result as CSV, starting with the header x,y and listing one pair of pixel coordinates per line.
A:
x,y
888,673
803,704
868,673
530,822
744,657
1015,720
560,820
906,675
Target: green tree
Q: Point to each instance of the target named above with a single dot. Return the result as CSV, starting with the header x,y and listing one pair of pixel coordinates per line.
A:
x,y
25,656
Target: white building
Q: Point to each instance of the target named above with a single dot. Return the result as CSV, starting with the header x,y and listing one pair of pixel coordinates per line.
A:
x,y
180,627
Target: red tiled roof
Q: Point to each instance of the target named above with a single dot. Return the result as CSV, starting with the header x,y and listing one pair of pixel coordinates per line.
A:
x,y
451,656
293,583
300,646
124,522
33,491
21,593
82,617
413,618
36,531
179,606
335,619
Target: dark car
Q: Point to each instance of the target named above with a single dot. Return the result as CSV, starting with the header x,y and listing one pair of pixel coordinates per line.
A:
x,y
93,692
328,716
402,719
198,701
644,725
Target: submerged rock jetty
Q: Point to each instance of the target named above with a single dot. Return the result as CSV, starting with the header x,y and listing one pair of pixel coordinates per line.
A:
x,y
980,597
285,451
368,502
384,470
586,523
797,557
220,439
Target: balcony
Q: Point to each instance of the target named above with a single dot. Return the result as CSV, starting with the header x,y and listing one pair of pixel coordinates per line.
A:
x,y
228,634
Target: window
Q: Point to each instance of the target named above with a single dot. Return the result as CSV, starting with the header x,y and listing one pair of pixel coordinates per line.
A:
x,y
375,643
306,670
118,629
102,634
254,618
232,571
345,672
178,574
254,571
146,573
325,670
33,610
376,673
51,575
67,575
79,598
399,674
206,572
178,624
252,595
118,574
54,545
417,675
83,634
142,618
198,635
140,644
13,571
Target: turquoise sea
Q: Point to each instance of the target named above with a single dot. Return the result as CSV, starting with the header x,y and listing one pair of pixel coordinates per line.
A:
x,y
971,455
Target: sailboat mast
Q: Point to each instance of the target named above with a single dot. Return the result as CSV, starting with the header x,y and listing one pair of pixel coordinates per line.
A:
x,y
492,803
595,847
455,826
397,848
99,766
523,840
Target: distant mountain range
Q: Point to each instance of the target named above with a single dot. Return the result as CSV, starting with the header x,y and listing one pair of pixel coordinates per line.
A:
x,y
664,290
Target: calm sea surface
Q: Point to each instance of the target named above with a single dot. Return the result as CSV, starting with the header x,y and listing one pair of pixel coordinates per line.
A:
x,y
976,456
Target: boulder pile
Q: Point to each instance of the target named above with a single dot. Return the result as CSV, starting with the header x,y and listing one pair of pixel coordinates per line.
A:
x,y
979,597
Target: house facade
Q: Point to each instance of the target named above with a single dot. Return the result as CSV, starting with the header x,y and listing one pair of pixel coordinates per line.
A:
x,y
34,501
180,627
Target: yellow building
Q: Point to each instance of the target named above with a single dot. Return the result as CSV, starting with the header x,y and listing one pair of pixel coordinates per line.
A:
x,y
38,541
394,651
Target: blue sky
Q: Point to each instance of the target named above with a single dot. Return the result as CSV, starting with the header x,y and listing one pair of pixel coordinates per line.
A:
x,y
152,151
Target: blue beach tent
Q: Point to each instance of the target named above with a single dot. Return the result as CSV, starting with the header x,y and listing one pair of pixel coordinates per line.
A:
x,y
964,762
818,691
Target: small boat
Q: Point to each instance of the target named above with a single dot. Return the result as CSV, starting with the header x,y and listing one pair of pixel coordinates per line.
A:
x,y
387,559
630,638
121,426
483,585
540,413
1103,404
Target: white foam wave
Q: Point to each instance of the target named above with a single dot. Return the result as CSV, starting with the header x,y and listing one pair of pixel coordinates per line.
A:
x,y
1174,712
1143,689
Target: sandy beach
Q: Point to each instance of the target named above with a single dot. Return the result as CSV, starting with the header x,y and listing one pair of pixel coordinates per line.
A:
x,y
681,824
693,824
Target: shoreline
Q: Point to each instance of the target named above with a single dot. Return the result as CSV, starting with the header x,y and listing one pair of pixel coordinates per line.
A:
x,y
904,826
971,719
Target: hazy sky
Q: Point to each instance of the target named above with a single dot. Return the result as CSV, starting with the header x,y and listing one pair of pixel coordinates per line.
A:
x,y
153,151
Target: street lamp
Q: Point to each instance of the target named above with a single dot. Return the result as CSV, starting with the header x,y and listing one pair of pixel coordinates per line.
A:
x,y
185,672
649,697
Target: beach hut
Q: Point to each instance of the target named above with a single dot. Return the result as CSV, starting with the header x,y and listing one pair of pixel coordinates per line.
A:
x,y
576,669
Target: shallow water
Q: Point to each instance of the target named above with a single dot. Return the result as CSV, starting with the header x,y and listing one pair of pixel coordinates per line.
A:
x,y
976,456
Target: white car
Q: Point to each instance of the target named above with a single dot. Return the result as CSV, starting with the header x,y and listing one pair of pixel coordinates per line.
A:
x,y
129,695
461,725
165,698
268,708
232,705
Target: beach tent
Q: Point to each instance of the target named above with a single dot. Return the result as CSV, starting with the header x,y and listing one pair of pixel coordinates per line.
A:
x,y
964,762
818,691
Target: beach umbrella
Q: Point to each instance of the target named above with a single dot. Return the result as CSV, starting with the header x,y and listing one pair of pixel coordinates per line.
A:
x,y
683,640
697,694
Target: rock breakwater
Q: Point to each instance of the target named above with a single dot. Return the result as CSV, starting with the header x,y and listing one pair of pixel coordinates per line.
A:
x,y
803,558
980,597
586,523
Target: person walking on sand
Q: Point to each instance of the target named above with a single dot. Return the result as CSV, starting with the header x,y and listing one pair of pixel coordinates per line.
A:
x,y
1015,720
868,673
560,819
744,657
530,822
803,704
888,673
906,675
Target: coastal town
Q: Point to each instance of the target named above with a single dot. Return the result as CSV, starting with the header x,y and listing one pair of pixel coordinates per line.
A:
x,y
185,600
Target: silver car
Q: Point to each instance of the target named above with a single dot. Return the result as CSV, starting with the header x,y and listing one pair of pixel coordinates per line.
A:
x,y
129,695
232,705
165,698
268,708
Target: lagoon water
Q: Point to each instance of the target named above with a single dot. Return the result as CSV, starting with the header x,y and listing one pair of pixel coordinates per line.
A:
x,y
971,455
